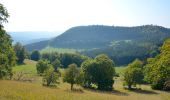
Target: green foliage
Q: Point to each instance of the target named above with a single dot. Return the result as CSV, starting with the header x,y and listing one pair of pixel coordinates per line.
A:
x,y
157,70
67,59
20,52
50,77
42,66
3,15
51,56
72,75
35,55
123,52
134,73
56,64
99,71
64,58
7,54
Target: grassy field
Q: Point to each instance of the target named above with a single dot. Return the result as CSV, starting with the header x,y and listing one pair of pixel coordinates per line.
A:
x,y
15,90
120,69
59,50
28,66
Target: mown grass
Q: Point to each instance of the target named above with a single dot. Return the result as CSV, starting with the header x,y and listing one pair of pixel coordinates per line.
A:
x,y
15,90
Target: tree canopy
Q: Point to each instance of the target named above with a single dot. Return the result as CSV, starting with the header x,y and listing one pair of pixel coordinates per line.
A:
x,y
71,75
99,71
7,54
157,70
20,52
134,73
35,55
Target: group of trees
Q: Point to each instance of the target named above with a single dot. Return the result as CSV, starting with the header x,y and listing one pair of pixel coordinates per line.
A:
x,y
98,71
21,53
125,51
45,69
156,71
65,58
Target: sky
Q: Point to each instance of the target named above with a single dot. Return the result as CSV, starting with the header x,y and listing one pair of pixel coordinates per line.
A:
x,y
60,15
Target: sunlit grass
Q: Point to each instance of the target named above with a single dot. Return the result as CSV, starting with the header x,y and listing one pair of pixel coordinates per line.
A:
x,y
59,50
29,66
15,90
120,69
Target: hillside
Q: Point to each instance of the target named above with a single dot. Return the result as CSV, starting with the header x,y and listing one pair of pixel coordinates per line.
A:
x,y
121,44
98,36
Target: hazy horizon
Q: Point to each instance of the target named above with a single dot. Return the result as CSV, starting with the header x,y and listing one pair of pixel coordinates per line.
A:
x,y
60,15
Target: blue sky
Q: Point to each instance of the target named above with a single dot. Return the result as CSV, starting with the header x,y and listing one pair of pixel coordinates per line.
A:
x,y
59,15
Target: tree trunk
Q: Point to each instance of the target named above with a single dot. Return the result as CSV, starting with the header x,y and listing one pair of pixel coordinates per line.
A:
x,y
72,86
129,86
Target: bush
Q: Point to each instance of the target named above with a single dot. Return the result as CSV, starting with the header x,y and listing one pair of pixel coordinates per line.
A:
x,y
42,65
50,77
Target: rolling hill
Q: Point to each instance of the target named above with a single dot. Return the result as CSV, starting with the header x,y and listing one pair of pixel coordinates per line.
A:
x,y
122,44
97,36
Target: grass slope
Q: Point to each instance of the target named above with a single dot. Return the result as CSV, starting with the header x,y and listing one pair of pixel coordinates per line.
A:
x,y
15,90
29,66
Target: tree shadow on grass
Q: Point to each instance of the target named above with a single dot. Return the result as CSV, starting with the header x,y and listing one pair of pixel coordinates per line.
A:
x,y
51,86
113,92
144,91
78,90
21,64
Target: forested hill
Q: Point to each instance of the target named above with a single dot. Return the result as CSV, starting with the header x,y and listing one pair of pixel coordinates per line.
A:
x,y
99,36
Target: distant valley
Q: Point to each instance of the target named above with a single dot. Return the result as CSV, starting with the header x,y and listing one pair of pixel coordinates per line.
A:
x,y
28,37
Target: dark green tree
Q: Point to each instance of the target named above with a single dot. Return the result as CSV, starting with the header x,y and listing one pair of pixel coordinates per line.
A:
x,y
20,52
35,55
71,75
134,74
7,54
99,71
